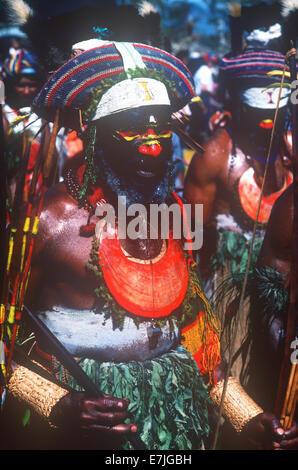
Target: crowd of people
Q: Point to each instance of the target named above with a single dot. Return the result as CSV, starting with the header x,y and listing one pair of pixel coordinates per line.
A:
x,y
174,339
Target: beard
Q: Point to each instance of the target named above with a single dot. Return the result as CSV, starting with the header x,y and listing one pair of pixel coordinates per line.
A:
x,y
136,190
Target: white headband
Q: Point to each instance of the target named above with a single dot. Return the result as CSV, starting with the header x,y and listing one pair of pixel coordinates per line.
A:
x,y
130,94
264,99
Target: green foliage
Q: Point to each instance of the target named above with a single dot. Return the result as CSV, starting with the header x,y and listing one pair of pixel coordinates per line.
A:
x,y
168,398
267,287
89,175
234,249
26,418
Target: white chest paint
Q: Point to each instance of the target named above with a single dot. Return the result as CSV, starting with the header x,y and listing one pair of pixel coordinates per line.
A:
x,y
87,334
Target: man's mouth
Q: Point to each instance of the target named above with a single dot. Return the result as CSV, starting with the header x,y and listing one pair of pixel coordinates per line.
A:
x,y
145,174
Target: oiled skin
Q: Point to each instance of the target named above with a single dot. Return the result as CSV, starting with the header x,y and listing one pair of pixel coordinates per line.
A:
x,y
59,277
210,181
268,331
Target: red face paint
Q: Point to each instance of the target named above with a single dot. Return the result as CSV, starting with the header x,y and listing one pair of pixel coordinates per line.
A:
x,y
266,124
149,142
152,149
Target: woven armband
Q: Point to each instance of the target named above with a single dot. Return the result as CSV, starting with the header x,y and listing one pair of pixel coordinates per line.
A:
x,y
238,407
36,391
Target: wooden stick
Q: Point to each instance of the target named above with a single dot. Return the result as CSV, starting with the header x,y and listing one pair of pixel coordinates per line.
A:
x,y
72,366
291,417
188,140
292,312
290,399
48,164
37,167
3,195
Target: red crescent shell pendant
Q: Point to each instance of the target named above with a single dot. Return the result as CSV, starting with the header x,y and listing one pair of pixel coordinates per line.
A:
x,y
152,288
249,194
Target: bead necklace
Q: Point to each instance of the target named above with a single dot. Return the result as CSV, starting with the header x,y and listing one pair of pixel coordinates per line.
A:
x,y
89,203
73,188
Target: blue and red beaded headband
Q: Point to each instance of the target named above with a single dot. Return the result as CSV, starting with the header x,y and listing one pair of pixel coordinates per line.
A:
x,y
69,89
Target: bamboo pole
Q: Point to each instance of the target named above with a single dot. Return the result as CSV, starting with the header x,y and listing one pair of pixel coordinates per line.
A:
x,y
290,402
48,164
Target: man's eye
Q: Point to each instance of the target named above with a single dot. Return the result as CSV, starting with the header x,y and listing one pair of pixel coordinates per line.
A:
x,y
164,132
128,133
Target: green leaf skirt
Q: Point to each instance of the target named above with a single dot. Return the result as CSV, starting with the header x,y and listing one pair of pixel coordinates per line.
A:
x,y
168,398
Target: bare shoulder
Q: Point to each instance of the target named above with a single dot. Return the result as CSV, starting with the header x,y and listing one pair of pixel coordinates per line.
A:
x,y
282,213
220,143
58,203
278,241
58,208
210,164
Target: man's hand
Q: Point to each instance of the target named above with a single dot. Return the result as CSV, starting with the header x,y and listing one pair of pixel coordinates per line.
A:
x,y
264,432
104,417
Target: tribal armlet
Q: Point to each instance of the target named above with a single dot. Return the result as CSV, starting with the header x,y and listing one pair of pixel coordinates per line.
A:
x,y
36,391
238,407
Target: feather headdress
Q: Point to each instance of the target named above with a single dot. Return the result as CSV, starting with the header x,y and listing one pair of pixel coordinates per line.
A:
x,y
290,19
17,11
52,37
262,25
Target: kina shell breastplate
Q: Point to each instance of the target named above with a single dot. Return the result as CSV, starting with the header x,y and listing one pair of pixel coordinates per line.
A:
x,y
246,200
146,288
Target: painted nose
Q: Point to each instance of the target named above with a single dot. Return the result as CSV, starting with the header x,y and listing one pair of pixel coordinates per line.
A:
x,y
152,146
150,149
27,91
266,124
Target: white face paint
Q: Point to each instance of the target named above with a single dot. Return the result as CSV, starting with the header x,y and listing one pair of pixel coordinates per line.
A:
x,y
262,98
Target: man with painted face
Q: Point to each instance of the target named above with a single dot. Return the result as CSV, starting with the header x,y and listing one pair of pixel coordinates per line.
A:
x,y
23,78
228,177
130,310
139,152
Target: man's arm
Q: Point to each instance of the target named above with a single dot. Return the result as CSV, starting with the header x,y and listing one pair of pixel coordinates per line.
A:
x,y
201,182
276,250
70,411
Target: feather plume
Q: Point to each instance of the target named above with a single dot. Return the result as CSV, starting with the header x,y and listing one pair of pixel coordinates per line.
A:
x,y
151,25
52,37
288,7
290,21
146,8
234,9
18,12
